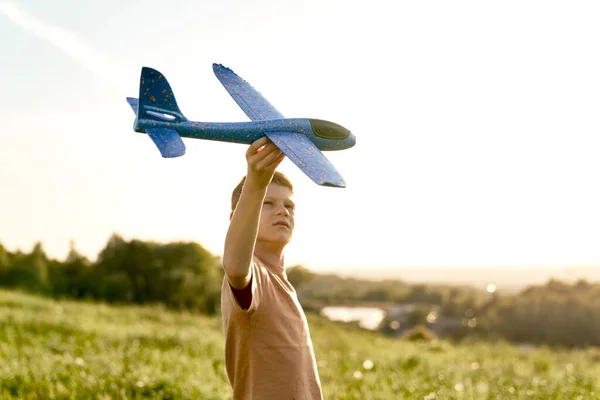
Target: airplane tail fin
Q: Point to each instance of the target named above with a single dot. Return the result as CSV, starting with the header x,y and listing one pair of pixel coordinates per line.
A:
x,y
157,102
156,99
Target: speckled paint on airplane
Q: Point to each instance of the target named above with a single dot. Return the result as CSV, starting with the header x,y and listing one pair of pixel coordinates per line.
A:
x,y
300,139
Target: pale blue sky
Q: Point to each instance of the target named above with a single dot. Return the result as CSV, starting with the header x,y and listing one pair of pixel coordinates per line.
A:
x,y
477,126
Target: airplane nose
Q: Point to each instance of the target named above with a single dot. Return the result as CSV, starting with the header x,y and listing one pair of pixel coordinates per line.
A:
x,y
351,140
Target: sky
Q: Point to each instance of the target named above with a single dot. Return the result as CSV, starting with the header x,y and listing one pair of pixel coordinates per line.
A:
x,y
477,126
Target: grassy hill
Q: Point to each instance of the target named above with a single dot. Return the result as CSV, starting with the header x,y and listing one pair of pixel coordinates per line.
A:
x,y
72,350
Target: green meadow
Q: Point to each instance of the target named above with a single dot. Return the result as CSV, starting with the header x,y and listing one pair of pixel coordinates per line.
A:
x,y
74,350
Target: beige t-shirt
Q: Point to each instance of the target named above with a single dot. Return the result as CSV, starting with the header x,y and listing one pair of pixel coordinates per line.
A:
x,y
268,349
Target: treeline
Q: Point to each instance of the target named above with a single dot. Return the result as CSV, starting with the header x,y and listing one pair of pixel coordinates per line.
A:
x,y
179,275
318,290
185,275
556,313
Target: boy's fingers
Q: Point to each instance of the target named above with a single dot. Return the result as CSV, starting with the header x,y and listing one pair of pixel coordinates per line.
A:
x,y
263,162
275,163
257,144
258,147
280,158
262,152
269,148
270,160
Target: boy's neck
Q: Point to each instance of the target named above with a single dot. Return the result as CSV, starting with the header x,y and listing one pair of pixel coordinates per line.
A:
x,y
270,254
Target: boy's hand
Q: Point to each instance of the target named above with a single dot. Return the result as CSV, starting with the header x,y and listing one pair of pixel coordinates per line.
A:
x,y
263,158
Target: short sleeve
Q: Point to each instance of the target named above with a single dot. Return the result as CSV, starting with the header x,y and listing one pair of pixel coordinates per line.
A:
x,y
255,288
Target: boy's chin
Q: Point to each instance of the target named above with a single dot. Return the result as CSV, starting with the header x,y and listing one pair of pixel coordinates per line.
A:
x,y
282,239
279,239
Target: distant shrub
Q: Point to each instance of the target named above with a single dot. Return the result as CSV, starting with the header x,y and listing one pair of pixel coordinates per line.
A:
x,y
436,346
419,333
594,352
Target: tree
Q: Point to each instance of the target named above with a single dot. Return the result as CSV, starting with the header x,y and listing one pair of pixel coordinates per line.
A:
x,y
110,283
300,276
30,271
71,278
4,262
190,276
176,274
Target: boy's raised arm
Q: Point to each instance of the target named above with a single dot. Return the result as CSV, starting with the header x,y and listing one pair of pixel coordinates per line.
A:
x,y
263,157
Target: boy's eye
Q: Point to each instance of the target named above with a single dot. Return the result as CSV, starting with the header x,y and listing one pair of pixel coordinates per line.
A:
x,y
268,203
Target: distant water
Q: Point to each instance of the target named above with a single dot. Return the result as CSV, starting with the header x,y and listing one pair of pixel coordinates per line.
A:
x,y
367,317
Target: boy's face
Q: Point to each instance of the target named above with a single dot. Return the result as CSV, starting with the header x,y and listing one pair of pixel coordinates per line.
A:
x,y
277,215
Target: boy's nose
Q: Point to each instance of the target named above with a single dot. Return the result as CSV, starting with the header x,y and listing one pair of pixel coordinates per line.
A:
x,y
281,210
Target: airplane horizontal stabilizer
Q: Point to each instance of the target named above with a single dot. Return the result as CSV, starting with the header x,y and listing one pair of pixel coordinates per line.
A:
x,y
133,102
298,148
256,107
168,142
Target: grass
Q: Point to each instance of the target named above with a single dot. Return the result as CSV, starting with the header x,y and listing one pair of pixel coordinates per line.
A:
x,y
71,350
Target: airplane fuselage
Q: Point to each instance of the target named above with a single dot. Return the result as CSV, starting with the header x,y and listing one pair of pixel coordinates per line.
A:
x,y
324,134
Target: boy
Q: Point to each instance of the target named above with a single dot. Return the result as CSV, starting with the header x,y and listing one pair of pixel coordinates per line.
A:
x,y
268,349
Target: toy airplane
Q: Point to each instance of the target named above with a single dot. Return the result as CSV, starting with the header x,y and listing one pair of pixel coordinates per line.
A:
x,y
300,139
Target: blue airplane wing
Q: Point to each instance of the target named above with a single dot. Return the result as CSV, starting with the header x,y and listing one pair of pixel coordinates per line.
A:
x,y
298,148
168,142
256,107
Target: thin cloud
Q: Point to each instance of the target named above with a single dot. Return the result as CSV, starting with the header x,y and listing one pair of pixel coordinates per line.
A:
x,y
66,41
